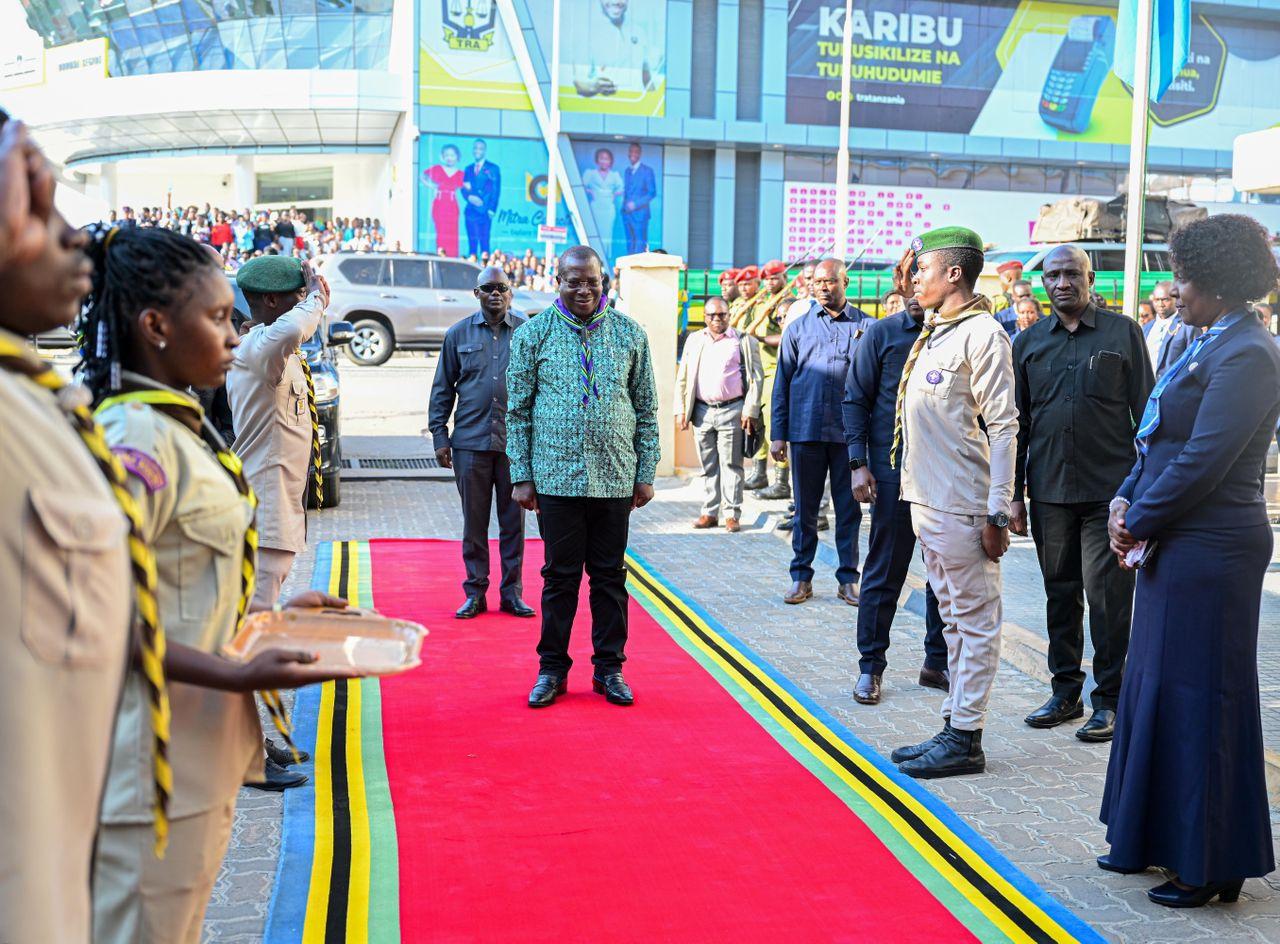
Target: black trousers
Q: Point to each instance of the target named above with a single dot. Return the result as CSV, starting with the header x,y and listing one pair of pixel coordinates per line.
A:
x,y
482,475
1077,563
583,534
889,551
812,465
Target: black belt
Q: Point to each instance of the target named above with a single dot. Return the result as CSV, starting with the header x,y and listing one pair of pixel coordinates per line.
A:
x,y
722,402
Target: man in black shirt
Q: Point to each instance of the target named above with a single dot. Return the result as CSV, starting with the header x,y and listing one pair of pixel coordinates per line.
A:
x,y
472,375
1083,377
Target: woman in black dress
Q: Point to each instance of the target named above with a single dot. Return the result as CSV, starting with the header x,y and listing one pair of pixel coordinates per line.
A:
x,y
1186,788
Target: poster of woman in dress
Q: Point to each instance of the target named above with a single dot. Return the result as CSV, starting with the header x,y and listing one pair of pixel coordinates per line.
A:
x,y
444,180
604,191
623,183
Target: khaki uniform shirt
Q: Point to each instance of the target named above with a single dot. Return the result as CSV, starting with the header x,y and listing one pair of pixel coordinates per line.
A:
x,y
964,372
268,393
68,602
195,520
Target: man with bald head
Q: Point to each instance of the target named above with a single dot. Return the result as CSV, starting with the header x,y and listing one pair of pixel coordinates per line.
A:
x,y
1082,380
471,384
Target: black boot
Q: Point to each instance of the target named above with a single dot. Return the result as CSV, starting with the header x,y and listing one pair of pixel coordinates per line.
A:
x,y
957,752
278,778
758,477
781,487
919,750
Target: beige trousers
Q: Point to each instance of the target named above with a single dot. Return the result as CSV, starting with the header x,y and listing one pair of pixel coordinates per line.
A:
x,y
273,569
139,899
967,585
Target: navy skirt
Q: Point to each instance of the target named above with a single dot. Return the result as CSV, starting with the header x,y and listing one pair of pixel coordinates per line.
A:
x,y
1186,785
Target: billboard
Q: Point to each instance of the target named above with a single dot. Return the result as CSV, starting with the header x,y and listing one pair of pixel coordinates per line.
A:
x,y
623,183
1023,69
481,194
612,59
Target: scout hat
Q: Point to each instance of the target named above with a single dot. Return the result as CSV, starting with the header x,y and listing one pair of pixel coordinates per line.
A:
x,y
773,267
270,274
946,237
747,274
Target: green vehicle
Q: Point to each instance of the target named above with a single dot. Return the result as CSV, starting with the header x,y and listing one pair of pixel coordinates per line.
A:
x,y
1108,267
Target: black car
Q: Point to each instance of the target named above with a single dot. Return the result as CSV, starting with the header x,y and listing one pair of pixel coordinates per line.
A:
x,y
324,375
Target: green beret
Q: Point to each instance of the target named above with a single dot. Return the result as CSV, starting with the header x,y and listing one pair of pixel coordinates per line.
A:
x,y
947,237
270,274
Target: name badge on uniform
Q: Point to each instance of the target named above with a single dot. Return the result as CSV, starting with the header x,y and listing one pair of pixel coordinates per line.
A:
x,y
934,377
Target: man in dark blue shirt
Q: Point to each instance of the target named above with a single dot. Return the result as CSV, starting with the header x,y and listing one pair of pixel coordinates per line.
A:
x,y
870,397
472,374
481,185
813,365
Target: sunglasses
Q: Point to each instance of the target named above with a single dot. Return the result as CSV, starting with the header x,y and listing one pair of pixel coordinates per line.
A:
x,y
721,315
492,287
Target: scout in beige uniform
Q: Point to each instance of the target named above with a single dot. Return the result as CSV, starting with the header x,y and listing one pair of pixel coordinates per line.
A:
x,y
959,480
766,327
68,594
146,340
273,406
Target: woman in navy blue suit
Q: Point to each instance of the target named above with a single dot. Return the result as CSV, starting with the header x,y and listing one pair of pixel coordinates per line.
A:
x,y
1186,788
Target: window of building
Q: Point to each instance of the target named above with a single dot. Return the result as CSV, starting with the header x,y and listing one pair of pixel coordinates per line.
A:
x,y
702,65
306,185
750,59
746,204
702,198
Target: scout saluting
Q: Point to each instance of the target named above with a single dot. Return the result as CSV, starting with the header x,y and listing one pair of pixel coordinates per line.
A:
x,y
158,322
65,575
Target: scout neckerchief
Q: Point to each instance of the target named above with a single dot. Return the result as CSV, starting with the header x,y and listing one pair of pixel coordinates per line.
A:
x,y
1151,414
586,362
184,408
16,358
315,429
932,322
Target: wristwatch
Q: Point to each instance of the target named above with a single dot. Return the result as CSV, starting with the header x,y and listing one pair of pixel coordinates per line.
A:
x,y
855,464
1000,520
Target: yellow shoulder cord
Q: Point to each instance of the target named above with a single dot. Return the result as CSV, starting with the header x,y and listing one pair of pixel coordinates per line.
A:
x,y
248,566
315,428
15,358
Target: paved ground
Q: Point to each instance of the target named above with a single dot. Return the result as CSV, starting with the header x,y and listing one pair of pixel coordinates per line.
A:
x,y
1037,803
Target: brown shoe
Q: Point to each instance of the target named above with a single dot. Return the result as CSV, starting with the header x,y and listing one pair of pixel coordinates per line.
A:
x,y
848,592
867,691
800,591
705,521
933,678
731,525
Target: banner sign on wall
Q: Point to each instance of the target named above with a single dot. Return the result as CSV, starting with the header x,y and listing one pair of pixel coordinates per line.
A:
x,y
623,183
613,56
1022,69
482,194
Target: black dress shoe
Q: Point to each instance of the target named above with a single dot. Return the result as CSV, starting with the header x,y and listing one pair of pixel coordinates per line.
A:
x,y
787,523
867,691
911,752
282,755
1055,711
1101,726
956,752
614,688
545,690
1171,896
472,608
935,678
278,779
1105,863
517,607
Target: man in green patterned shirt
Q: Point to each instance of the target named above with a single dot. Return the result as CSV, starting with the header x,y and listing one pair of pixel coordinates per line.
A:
x,y
582,437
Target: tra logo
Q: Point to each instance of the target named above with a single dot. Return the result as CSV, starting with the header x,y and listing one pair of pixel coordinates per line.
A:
x,y
469,24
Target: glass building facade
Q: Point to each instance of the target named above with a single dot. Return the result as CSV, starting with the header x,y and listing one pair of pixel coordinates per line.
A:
x,y
159,36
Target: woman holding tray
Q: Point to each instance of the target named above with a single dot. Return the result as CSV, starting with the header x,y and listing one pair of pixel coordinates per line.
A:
x,y
158,322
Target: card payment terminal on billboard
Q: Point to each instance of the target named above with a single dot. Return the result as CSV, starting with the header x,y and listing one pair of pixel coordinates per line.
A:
x,y
1077,73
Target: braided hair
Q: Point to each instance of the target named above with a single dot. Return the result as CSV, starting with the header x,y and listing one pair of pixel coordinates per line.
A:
x,y
134,269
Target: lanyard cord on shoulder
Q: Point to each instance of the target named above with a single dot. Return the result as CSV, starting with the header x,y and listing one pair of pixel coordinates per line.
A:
x,y
315,429
182,408
143,564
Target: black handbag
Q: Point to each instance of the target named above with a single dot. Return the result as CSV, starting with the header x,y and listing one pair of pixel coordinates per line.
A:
x,y
753,440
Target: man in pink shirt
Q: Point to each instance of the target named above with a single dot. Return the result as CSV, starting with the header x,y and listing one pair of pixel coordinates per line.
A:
x,y
718,390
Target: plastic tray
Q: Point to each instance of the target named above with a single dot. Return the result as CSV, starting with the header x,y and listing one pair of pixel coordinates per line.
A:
x,y
354,642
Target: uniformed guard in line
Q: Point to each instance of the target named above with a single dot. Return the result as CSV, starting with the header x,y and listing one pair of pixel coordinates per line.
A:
x,y
958,477
160,322
748,284
729,286
766,327
66,576
273,404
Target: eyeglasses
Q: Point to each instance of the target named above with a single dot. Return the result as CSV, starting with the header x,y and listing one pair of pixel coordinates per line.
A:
x,y
719,315
492,287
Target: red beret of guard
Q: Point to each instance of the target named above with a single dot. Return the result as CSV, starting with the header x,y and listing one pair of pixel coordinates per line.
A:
x,y
747,274
773,267
729,274
1009,266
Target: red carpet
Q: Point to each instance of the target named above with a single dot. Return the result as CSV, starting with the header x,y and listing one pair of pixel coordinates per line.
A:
x,y
679,819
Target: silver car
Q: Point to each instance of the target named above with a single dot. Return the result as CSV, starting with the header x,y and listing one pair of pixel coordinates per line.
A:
x,y
404,301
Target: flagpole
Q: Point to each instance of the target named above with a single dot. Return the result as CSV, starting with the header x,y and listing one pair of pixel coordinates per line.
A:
x,y
553,135
1136,203
842,153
